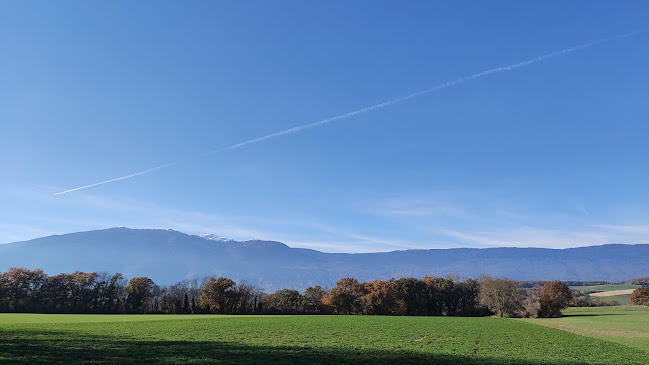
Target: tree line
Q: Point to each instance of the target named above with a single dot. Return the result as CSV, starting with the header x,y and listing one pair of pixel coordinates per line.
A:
x,y
24,290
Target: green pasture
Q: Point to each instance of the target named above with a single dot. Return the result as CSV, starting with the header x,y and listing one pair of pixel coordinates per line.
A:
x,y
134,339
607,287
26,318
628,326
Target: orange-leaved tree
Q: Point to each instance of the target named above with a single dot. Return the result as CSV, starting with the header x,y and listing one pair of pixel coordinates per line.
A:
x,y
640,296
555,296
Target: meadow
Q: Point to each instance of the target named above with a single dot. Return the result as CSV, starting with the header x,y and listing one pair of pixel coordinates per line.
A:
x,y
626,325
605,287
202,339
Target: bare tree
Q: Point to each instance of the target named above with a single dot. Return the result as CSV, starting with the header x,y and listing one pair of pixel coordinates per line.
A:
x,y
501,296
246,293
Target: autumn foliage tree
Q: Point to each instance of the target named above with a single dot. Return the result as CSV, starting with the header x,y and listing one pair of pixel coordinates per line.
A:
x,y
379,297
345,297
24,290
139,290
217,294
555,296
640,296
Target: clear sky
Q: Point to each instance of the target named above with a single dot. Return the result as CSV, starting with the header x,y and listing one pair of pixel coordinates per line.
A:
x,y
552,154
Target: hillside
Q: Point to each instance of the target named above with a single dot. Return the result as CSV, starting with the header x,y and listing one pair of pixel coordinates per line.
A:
x,y
170,256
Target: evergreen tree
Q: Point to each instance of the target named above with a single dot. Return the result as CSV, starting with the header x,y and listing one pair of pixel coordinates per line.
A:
x,y
186,309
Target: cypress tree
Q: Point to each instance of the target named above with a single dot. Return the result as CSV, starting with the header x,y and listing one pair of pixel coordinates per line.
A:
x,y
186,309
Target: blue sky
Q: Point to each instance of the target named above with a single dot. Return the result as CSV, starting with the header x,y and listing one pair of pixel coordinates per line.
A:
x,y
553,154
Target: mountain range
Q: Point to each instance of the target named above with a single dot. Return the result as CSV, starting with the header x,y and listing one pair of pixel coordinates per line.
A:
x,y
168,256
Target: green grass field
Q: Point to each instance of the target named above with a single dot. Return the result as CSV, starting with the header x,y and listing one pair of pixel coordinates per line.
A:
x,y
607,287
628,326
133,339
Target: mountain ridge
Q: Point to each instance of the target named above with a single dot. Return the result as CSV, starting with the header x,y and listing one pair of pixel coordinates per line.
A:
x,y
169,256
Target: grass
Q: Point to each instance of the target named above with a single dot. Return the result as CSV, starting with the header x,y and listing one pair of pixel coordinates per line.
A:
x,y
132,339
607,287
628,326
13,318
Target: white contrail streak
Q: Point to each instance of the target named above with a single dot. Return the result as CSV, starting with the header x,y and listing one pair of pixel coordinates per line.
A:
x,y
426,91
366,109
117,179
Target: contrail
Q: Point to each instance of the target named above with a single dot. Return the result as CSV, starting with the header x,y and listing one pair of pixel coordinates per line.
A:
x,y
445,85
366,109
118,178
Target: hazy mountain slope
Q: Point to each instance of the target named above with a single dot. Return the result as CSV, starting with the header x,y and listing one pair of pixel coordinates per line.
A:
x,y
170,256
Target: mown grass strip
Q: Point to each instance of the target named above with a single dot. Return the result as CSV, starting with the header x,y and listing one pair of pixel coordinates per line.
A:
x,y
628,326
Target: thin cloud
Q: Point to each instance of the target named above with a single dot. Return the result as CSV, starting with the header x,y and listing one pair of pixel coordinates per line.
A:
x,y
442,204
531,237
384,104
628,229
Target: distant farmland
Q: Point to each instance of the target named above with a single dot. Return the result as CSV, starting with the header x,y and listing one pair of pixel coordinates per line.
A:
x,y
606,287
177,339
618,294
612,293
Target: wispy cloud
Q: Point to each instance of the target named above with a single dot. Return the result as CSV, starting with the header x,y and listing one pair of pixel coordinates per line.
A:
x,y
348,242
530,237
628,229
456,218
332,246
20,232
438,204
381,105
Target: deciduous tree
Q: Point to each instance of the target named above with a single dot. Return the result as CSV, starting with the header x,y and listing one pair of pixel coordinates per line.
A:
x,y
640,296
283,301
216,293
501,296
346,295
555,295
313,299
139,290
379,297
410,296
24,288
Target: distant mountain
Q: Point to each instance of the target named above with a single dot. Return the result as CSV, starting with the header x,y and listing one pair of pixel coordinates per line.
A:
x,y
169,256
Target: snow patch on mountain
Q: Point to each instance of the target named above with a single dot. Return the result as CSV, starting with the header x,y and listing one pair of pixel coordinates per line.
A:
x,y
213,237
